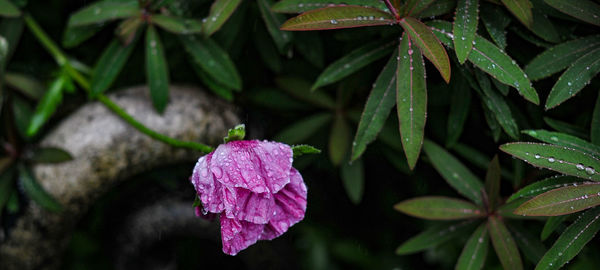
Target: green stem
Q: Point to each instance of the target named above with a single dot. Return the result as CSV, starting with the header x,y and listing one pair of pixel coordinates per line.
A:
x,y
63,61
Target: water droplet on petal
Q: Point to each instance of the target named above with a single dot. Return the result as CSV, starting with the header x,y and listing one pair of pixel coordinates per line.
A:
x,y
217,172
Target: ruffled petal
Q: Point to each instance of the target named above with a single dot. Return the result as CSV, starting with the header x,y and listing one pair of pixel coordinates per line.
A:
x,y
210,191
290,207
259,166
237,235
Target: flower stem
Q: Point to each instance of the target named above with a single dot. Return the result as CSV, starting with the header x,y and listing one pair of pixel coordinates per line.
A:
x,y
63,61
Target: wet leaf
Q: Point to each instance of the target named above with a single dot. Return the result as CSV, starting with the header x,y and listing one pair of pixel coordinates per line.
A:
x,y
567,128
566,140
177,25
562,201
109,65
50,155
439,208
544,185
495,21
103,11
504,244
498,106
551,225
584,10
36,192
465,27
299,6
337,18
475,251
430,46
435,235
157,73
415,7
220,11
339,140
521,9
301,130
353,178
438,7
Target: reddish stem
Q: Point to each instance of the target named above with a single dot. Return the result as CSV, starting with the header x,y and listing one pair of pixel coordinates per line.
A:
x,y
392,9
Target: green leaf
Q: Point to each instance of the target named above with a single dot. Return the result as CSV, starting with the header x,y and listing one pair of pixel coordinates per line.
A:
x,y
8,9
475,251
532,248
492,182
595,127
571,241
567,128
273,20
6,186
36,192
498,106
47,105
109,65
236,133
557,158
103,11
465,26
439,208
301,130
299,6
337,18
214,86
411,99
27,85
495,22
267,50
438,7
415,7
304,149
504,244
566,140
339,140
435,235
429,45
492,123
220,11
542,186
521,9
354,61
543,27
353,178
300,89
460,104
310,45
551,224
22,113
560,57
157,73
209,57
75,35
562,201
177,25
454,172
377,109
577,76
50,155
584,10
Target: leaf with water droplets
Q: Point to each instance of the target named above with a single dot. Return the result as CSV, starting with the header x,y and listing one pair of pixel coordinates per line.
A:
x,y
353,178
273,20
495,21
454,172
435,235
177,25
411,99
504,244
497,105
542,186
595,128
567,128
465,26
415,7
551,225
562,201
299,6
157,73
220,11
208,56
571,241
460,104
521,9
109,65
339,140
430,46
377,109
577,76
584,10
103,11
439,208
302,129
475,251
438,7
557,158
8,9
337,18
354,61
566,140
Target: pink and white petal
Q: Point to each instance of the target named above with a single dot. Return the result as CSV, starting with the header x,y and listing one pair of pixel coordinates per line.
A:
x,y
205,185
237,235
254,207
290,207
276,160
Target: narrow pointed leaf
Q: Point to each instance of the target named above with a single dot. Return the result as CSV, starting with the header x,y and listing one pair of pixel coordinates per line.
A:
x,y
521,9
498,106
574,78
177,25
337,18
531,247
353,178
377,109
584,10
50,155
438,7
411,99
220,11
104,11
27,85
157,73
439,208
543,27
495,21
551,225
492,182
212,84
36,192
300,89
304,149
415,7
208,56
504,244
595,128
475,251
460,104
571,241
75,35
299,6
430,46
109,65
560,57
303,129
567,128
435,235
454,172
545,185
8,9
339,140
566,140
562,201
273,20
354,61
465,26
47,106
557,158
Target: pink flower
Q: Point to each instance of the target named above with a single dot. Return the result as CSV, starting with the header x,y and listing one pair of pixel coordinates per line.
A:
x,y
254,188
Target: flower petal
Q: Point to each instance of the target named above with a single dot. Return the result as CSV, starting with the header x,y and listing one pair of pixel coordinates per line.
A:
x,y
253,207
259,166
205,185
290,206
237,235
